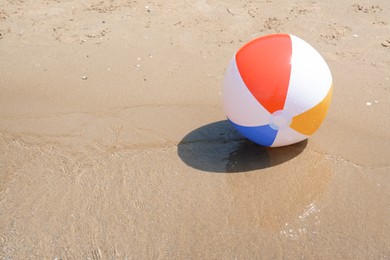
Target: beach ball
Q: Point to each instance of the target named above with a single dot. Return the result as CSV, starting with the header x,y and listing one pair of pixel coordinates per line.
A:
x,y
277,90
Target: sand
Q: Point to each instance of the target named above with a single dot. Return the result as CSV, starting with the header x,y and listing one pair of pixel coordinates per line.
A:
x,y
114,144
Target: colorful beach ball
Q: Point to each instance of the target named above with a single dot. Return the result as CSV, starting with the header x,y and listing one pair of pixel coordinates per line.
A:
x,y
277,90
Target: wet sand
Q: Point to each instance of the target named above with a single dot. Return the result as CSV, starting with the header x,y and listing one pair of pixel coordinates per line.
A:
x,y
114,145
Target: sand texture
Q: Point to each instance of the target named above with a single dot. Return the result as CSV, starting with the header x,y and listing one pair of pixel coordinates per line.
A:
x,y
114,144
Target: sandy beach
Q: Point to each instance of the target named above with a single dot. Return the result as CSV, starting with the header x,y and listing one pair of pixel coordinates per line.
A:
x,y
114,143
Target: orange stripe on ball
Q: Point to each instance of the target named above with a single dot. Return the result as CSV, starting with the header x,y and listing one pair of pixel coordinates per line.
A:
x,y
308,122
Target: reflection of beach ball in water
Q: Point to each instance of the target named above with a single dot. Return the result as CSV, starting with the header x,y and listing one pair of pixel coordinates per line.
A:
x,y
277,90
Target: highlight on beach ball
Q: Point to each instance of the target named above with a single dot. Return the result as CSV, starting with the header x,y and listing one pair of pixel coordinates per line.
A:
x,y
277,90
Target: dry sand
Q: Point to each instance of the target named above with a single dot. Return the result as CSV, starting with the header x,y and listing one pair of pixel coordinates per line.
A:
x,y
114,145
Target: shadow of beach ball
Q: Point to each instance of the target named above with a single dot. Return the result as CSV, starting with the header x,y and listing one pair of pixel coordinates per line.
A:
x,y
219,148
